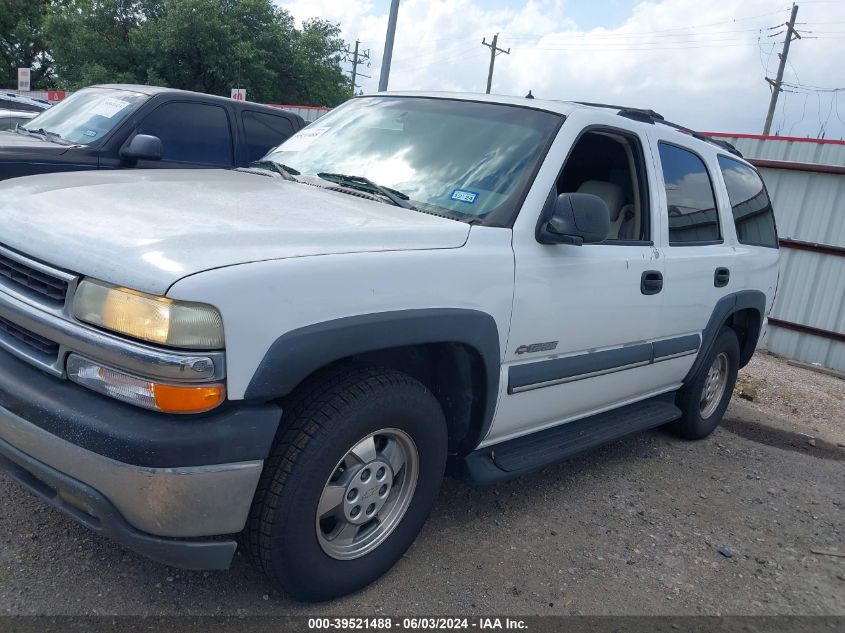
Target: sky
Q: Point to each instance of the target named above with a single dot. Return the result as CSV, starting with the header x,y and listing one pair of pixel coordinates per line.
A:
x,y
699,63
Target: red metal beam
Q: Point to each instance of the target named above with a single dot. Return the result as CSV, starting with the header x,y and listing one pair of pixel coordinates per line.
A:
x,y
808,329
790,165
820,141
813,247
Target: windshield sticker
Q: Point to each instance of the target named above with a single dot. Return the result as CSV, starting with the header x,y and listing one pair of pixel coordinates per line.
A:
x,y
90,133
303,139
109,107
460,195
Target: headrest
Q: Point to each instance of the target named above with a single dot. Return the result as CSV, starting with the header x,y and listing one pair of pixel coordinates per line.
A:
x,y
612,195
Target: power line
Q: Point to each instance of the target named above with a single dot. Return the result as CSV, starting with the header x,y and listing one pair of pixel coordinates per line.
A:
x,y
791,34
357,58
494,50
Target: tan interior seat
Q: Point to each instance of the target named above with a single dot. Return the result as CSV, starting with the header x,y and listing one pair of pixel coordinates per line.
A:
x,y
613,197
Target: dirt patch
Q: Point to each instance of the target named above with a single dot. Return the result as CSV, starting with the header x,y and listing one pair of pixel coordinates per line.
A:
x,y
807,401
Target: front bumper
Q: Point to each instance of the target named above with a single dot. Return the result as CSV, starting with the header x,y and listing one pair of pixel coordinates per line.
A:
x,y
140,477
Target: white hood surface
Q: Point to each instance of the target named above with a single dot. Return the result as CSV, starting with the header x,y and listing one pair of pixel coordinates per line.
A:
x,y
146,229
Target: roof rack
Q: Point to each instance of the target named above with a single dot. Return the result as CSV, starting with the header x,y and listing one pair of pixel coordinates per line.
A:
x,y
703,137
650,116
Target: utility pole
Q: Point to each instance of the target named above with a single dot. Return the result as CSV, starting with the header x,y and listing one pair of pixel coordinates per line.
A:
x,y
357,58
494,49
388,46
790,34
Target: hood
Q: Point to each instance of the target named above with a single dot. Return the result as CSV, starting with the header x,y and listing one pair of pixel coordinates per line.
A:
x,y
12,145
146,229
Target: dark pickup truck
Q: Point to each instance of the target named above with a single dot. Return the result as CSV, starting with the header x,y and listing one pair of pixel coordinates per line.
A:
x,y
128,126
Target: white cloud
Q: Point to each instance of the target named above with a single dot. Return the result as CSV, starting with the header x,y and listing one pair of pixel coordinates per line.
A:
x,y
700,68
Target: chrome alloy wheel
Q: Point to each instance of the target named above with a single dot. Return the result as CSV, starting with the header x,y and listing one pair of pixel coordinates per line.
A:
x,y
367,494
714,385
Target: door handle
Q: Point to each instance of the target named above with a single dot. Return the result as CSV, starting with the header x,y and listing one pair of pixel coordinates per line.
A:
x,y
651,282
721,277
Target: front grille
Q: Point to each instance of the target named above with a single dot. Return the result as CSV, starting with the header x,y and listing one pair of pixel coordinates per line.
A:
x,y
33,281
30,339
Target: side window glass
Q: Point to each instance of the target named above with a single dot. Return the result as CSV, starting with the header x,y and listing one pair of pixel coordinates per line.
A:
x,y
195,133
693,216
752,210
264,132
610,165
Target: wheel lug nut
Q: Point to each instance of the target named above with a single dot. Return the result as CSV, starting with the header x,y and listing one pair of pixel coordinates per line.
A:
x,y
355,511
365,474
383,490
380,473
371,508
350,496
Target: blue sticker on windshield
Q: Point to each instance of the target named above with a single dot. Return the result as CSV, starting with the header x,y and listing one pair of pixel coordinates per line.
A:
x,y
461,195
90,133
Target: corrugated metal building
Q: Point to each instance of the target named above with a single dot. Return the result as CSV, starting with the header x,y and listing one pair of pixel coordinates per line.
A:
x,y
806,179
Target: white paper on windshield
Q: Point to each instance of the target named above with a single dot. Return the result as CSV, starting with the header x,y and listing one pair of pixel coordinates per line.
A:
x,y
303,139
109,107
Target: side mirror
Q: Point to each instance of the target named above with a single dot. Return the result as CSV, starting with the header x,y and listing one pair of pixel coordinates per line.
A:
x,y
142,147
574,218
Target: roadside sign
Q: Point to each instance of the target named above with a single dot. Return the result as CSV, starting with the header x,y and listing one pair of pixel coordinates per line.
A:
x,y
23,79
239,94
55,95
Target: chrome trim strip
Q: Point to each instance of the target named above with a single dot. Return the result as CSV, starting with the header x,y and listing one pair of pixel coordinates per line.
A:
x,y
144,360
174,502
678,355
560,381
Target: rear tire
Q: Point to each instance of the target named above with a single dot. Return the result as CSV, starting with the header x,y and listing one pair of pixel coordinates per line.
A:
x,y
366,449
704,400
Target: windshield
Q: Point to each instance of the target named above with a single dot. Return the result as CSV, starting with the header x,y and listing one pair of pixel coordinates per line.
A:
x,y
464,157
87,115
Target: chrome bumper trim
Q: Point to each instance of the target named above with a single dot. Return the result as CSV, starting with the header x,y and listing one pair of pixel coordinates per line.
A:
x,y
144,360
172,502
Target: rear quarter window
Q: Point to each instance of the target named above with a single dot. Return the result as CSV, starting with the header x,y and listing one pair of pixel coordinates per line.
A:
x,y
752,210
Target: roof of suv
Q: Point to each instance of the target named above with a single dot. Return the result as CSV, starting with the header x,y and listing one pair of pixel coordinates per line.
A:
x,y
155,90
567,107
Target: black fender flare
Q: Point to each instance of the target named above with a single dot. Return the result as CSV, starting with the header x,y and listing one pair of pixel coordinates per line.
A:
x,y
297,354
725,307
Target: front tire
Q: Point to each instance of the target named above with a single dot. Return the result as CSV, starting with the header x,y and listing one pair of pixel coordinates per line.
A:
x,y
704,400
350,482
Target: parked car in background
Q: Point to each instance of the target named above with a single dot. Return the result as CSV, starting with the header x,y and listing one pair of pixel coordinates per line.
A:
x,y
12,101
123,126
10,119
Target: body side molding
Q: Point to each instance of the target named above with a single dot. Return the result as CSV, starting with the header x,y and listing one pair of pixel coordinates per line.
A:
x,y
297,354
556,371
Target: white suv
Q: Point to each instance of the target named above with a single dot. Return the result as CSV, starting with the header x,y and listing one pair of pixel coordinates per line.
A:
x,y
290,356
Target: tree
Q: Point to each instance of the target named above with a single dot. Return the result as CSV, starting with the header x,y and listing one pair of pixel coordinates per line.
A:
x,y
23,43
205,45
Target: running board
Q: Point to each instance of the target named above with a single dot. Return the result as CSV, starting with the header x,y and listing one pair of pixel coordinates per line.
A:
x,y
537,450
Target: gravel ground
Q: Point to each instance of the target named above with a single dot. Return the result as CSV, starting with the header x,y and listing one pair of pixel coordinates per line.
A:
x,y
810,399
647,525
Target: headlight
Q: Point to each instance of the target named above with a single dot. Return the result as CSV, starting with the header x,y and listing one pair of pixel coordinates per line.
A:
x,y
147,317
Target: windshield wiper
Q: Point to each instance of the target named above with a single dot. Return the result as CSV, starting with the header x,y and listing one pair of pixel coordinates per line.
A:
x,y
365,184
47,134
288,173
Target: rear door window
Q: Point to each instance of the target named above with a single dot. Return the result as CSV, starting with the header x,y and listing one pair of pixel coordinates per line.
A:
x,y
193,133
263,132
752,210
691,203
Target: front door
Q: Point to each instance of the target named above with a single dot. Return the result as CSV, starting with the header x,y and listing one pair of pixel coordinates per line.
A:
x,y
585,317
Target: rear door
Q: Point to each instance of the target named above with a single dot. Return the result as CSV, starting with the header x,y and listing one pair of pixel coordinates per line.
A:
x,y
262,132
697,242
